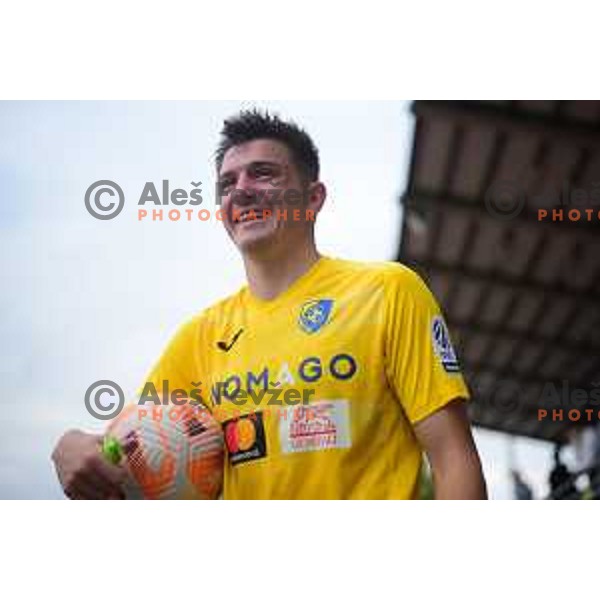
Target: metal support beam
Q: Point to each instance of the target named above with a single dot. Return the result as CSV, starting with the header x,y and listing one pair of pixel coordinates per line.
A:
x,y
503,333
511,120
420,201
522,285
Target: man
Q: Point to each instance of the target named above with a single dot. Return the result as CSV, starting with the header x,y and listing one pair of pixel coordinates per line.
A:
x,y
521,489
360,350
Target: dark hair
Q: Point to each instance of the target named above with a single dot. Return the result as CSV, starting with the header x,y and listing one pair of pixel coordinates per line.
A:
x,y
252,125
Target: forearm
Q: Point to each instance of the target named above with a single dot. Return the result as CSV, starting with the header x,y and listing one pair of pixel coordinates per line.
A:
x,y
459,479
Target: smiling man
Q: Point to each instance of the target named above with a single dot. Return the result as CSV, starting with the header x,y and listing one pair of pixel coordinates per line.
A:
x,y
363,344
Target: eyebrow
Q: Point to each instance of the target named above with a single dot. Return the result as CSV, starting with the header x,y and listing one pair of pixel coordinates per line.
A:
x,y
253,164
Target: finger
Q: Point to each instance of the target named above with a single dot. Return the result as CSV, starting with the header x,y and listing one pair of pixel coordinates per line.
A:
x,y
85,489
104,487
114,474
120,496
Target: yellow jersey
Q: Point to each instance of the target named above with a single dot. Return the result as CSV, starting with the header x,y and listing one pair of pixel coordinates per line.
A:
x,y
317,389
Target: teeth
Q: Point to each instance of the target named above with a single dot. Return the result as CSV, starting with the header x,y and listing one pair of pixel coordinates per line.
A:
x,y
250,216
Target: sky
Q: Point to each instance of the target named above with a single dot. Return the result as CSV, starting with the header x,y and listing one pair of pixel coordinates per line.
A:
x,y
85,299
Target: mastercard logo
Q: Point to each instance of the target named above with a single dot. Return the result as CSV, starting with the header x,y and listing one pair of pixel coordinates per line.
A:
x,y
245,438
240,435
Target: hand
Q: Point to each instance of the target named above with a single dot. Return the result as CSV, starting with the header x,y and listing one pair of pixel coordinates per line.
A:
x,y
83,472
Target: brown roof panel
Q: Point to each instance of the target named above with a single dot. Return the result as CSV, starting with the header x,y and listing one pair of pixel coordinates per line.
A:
x,y
521,297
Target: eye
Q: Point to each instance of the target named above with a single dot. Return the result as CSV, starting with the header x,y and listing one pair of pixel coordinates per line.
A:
x,y
225,185
262,172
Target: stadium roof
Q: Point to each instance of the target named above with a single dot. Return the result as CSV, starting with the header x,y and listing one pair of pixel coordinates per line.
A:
x,y
521,296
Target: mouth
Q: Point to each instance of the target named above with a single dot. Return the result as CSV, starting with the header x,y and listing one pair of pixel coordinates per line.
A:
x,y
249,215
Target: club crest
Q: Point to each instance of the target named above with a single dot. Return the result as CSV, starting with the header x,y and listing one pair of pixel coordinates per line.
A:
x,y
314,314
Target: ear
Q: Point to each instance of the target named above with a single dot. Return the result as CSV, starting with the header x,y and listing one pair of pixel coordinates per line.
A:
x,y
317,192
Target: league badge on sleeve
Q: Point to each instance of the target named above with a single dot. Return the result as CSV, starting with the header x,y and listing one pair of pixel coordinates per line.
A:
x,y
314,314
443,346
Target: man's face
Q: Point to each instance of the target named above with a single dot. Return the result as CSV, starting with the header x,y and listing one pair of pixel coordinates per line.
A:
x,y
255,179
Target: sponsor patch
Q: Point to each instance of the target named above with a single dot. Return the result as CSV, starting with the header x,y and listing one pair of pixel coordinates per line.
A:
x,y
319,426
245,438
314,314
443,346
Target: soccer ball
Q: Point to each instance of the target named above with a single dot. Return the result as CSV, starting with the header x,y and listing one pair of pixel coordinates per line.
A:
x,y
169,453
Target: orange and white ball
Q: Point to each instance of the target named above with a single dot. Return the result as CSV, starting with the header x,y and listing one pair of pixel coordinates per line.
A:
x,y
170,452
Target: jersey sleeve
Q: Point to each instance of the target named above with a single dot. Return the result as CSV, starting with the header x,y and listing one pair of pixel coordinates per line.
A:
x,y
179,364
421,364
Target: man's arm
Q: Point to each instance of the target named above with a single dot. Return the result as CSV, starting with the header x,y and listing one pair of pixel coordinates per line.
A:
x,y
446,438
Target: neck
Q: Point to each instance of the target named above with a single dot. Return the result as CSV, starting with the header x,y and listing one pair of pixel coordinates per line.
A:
x,y
270,276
